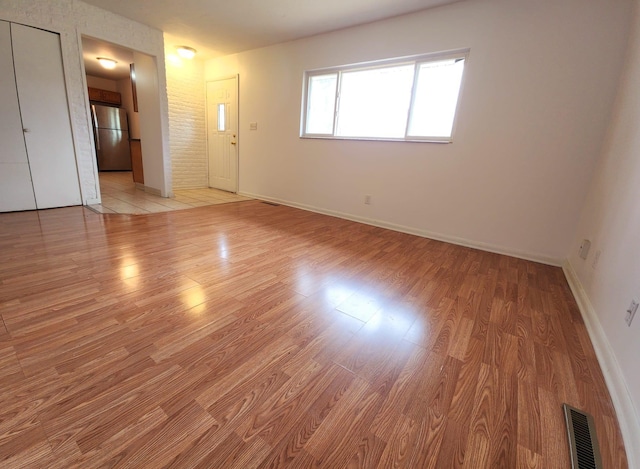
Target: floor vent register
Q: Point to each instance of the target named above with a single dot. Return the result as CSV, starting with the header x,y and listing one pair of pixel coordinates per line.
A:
x,y
583,443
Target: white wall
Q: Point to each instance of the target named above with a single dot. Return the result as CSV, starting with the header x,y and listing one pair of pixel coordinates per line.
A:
x,y
186,93
611,220
101,83
71,19
157,174
538,89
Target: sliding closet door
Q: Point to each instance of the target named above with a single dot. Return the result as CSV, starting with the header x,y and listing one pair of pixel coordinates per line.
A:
x,y
45,116
16,190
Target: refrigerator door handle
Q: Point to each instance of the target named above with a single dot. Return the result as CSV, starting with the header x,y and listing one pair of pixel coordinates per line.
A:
x,y
95,126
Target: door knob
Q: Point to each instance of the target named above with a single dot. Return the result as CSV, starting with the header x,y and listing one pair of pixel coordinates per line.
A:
x,y
233,143
26,130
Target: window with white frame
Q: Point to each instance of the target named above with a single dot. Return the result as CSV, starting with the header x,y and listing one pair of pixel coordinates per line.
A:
x,y
411,99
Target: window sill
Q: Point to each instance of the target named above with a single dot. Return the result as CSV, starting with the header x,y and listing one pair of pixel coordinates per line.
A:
x,y
374,139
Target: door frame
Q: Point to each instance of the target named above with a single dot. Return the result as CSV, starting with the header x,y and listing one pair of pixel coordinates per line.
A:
x,y
207,117
160,159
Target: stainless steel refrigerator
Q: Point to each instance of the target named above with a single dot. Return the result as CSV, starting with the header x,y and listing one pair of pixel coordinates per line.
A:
x,y
111,132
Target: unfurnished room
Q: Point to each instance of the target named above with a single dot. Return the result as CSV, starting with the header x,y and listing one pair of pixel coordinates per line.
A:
x,y
291,234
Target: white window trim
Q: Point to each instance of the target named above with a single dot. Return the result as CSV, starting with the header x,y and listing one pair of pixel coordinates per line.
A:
x,y
416,59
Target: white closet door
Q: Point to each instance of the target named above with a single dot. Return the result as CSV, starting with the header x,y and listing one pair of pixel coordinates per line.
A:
x,y
45,116
16,190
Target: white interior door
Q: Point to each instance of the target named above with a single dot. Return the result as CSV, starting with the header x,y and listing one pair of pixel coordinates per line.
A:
x,y
222,133
45,116
16,189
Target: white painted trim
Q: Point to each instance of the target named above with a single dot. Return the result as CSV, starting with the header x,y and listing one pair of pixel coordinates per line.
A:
x,y
415,231
91,142
622,401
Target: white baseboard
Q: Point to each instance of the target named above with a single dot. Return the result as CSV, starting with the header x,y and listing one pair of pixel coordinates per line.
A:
x,y
622,401
414,231
153,191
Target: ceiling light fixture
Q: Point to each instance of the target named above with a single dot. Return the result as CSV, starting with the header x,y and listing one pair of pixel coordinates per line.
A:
x,y
186,52
109,64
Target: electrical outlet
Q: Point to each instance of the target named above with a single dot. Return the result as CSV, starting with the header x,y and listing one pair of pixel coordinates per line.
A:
x,y
631,312
367,199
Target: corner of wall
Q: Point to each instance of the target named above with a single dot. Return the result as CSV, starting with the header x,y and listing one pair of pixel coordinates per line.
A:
x,y
620,396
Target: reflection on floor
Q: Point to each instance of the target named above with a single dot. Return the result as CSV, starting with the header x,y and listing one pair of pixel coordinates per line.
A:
x,y
250,335
120,195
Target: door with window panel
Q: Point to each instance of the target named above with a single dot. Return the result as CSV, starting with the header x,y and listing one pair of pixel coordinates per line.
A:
x,y
222,133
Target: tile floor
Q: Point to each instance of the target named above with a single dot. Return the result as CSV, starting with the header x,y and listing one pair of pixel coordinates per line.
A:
x,y
120,195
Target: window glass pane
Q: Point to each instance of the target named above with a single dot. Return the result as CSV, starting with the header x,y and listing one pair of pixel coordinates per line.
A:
x,y
435,100
375,103
321,103
221,117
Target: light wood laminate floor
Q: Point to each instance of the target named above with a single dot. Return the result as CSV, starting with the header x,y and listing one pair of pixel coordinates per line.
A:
x,y
248,335
120,195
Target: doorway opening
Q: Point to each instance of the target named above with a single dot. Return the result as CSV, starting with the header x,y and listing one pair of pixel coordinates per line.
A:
x,y
130,137
111,82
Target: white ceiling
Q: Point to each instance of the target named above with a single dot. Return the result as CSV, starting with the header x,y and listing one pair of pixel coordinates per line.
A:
x,y
218,27
93,48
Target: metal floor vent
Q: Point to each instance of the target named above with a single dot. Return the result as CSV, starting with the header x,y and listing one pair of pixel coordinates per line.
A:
x,y
583,443
271,203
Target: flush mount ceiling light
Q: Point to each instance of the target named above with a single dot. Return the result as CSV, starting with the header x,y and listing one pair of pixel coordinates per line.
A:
x,y
109,64
186,52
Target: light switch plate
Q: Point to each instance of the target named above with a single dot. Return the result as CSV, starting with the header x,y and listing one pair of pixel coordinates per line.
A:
x,y
584,248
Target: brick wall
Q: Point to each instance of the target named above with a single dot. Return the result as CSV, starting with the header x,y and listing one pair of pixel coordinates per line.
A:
x,y
187,127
